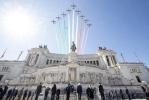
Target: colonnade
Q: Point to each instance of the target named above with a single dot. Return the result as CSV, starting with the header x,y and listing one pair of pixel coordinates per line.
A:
x,y
95,62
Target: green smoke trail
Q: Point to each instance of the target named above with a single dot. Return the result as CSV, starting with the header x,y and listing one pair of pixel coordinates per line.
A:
x,y
66,46
57,40
61,38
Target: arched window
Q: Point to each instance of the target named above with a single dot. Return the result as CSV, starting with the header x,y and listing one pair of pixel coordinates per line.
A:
x,y
36,59
50,61
47,62
114,59
97,62
94,62
107,58
138,79
29,57
90,62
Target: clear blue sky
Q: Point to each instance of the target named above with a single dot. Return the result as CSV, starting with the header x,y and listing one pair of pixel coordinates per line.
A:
x,y
120,25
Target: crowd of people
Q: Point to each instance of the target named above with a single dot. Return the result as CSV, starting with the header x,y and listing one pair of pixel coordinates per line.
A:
x,y
25,94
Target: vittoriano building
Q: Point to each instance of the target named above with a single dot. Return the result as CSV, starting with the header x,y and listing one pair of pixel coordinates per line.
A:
x,y
40,65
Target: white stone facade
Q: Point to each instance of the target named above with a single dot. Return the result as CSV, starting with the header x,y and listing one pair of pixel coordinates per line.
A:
x,y
42,66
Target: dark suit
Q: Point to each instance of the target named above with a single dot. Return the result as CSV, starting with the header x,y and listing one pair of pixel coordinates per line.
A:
x,y
57,94
29,94
1,91
4,92
38,90
68,92
25,95
127,92
53,93
88,93
15,95
144,90
9,94
121,93
79,91
101,90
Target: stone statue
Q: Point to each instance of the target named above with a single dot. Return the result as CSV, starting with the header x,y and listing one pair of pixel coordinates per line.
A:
x,y
73,47
45,46
100,48
40,46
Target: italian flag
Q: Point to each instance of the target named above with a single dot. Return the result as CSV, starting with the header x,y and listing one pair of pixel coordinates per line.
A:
x,y
3,54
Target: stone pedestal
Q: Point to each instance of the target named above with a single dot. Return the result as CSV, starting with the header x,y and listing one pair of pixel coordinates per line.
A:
x,y
73,57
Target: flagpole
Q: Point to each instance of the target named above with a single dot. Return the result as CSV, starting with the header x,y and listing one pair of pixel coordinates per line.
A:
x,y
123,57
3,54
20,55
137,57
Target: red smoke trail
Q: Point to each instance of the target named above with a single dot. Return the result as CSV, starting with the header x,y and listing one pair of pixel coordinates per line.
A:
x,y
85,40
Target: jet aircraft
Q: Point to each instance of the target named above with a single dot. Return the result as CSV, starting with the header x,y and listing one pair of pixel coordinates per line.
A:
x,y
82,16
63,14
78,11
58,18
89,25
86,20
73,6
53,21
68,10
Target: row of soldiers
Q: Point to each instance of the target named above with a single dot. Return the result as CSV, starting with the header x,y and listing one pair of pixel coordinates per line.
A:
x,y
114,95
13,92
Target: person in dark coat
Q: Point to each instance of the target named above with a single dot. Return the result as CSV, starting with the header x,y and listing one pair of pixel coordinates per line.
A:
x,y
72,88
38,90
147,95
9,94
127,92
116,94
57,94
4,92
29,94
20,94
112,95
101,91
68,92
25,94
12,93
53,92
79,91
15,94
91,93
142,87
88,91
132,95
46,93
1,91
121,93
109,93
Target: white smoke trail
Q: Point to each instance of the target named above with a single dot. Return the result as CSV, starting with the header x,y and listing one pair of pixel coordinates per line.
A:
x,y
77,32
68,33
85,40
73,26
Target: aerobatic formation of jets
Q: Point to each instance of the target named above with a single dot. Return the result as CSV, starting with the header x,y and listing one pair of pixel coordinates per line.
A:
x,y
68,10
78,33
